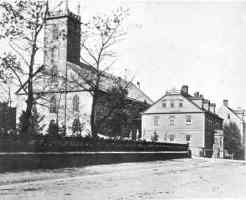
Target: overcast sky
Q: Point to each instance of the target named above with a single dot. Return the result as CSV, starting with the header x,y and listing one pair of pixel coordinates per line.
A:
x,y
171,43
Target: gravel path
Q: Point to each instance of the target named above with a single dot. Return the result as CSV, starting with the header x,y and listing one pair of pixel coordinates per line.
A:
x,y
180,178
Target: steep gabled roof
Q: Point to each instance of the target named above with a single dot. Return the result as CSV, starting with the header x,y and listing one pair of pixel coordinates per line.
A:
x,y
107,82
134,93
156,109
187,97
232,111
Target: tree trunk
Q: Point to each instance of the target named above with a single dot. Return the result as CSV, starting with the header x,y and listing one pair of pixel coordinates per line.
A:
x,y
30,99
93,114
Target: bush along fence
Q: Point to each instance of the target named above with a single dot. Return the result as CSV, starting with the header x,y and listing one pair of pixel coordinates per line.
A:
x,y
68,144
49,152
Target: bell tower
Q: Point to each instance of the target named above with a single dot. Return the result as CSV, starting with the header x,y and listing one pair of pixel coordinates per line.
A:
x,y
62,38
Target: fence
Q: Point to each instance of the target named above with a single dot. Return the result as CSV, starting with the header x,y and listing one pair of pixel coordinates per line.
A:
x,y
49,152
66,144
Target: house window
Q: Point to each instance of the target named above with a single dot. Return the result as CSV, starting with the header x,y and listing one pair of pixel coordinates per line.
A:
x,y
171,120
164,105
180,104
53,106
76,103
188,120
187,138
171,138
156,120
228,116
54,73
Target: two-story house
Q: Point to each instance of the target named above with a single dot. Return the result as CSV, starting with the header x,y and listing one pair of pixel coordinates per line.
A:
x,y
182,118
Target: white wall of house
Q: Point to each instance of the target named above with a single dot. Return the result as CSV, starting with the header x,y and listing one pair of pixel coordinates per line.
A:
x,y
168,126
169,117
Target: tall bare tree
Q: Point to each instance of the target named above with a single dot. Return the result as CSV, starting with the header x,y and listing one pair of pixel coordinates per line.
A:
x,y
98,39
21,25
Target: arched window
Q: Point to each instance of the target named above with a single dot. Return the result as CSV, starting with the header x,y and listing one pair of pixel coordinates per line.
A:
x,y
54,73
76,103
54,54
53,107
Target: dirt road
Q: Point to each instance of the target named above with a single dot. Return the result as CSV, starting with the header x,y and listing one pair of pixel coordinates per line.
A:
x,y
181,178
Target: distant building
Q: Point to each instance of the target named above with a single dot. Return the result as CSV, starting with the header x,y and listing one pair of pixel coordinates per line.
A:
x,y
182,118
236,116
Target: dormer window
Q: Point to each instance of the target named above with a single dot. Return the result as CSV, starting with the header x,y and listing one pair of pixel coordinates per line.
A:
x,y
172,104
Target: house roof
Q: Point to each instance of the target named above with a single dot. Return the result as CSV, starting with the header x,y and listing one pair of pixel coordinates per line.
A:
x,y
232,111
190,99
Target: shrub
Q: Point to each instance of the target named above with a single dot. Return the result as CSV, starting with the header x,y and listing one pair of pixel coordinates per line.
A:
x,y
154,137
53,128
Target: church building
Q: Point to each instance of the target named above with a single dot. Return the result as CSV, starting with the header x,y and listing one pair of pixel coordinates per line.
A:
x,y
62,101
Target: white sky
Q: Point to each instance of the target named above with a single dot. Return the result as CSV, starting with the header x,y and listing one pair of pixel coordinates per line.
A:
x,y
171,43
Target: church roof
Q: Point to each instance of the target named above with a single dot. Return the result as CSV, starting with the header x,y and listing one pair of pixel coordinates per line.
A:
x,y
87,72
108,81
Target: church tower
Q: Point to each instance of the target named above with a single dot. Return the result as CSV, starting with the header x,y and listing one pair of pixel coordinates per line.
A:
x,y
62,39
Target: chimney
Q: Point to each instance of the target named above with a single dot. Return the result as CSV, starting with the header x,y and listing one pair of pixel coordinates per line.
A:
x,y
225,102
138,84
78,9
212,106
196,94
185,90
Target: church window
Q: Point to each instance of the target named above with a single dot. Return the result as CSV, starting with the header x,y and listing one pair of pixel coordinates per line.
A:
x,y
55,32
54,73
54,54
53,106
75,103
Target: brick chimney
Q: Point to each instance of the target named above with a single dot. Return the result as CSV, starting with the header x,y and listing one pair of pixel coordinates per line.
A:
x,y
225,102
185,90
